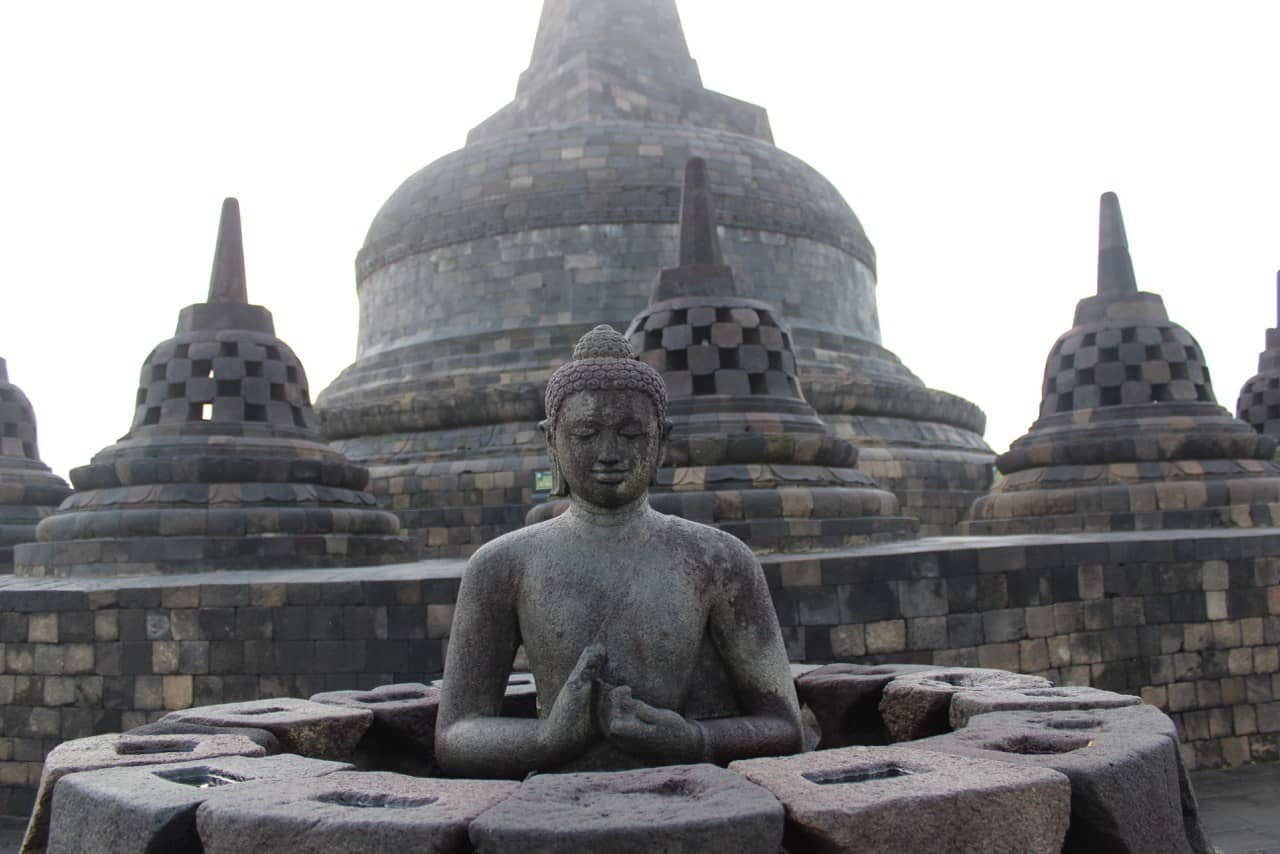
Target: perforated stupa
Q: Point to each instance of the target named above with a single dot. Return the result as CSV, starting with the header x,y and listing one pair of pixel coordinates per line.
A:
x,y
224,466
1129,435
29,491
747,452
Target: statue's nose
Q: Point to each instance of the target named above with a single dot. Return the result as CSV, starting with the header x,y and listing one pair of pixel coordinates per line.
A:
x,y
608,449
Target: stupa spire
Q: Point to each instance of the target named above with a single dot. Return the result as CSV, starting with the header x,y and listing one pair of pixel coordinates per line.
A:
x,y
1115,267
1278,299
628,30
4,371
700,270
699,243
227,281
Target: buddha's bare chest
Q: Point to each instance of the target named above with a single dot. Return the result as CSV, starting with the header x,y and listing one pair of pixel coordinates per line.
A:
x,y
649,614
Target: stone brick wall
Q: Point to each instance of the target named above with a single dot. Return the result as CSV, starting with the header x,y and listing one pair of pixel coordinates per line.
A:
x,y
1188,620
91,656
1191,621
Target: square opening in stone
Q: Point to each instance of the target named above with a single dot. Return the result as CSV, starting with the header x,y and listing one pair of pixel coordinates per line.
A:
x,y
374,800
141,747
1033,745
201,777
841,776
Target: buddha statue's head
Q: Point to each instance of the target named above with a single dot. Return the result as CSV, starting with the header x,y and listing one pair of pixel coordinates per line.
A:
x,y
606,425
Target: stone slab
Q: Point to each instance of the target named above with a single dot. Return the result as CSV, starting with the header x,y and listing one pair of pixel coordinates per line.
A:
x,y
318,730
918,705
402,736
116,750
675,808
1126,791
895,799
126,810
845,699
966,704
348,812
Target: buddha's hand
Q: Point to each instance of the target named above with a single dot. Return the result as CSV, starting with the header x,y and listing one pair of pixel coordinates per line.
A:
x,y
647,731
570,725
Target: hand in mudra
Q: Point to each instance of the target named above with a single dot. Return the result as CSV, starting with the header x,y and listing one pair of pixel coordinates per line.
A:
x,y
643,730
570,724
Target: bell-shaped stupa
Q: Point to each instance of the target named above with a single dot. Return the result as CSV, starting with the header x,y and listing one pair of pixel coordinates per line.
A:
x,y
484,268
29,491
224,466
1259,401
1130,436
747,453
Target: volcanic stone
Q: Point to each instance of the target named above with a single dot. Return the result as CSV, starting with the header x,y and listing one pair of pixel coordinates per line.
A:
x,y
1126,795
126,810
966,704
120,751
845,699
918,705
347,812
896,799
319,730
674,808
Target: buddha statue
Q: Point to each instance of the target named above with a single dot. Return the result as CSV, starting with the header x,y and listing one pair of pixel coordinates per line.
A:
x,y
616,605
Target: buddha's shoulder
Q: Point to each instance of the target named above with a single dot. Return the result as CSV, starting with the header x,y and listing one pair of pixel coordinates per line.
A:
x,y
509,552
713,542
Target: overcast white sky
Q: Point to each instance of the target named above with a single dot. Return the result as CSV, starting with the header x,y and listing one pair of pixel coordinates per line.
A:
x,y
972,139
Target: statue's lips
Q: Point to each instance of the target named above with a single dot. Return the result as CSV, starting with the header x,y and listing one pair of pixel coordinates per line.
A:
x,y
609,476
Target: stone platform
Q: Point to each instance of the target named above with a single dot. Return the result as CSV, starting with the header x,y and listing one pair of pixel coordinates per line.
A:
x,y
1189,621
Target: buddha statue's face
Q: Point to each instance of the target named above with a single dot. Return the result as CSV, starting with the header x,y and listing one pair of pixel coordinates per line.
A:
x,y
607,444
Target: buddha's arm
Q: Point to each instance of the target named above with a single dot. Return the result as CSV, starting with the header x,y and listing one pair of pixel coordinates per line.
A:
x,y
472,738
744,628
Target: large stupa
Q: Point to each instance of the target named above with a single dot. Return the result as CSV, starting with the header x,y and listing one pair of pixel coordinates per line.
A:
x,y
485,267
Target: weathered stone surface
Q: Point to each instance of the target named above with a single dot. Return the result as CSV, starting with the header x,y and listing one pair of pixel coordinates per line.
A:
x,y
677,808
177,726
895,799
967,704
347,812
402,736
318,730
1126,793
918,705
116,750
845,699
404,712
126,810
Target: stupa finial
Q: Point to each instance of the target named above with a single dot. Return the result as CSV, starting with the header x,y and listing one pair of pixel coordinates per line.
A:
x,y
699,243
1115,267
227,282
4,371
1277,302
701,270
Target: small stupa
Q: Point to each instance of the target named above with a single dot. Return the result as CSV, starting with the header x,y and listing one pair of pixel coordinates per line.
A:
x,y
747,453
1130,436
1259,401
29,491
224,466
